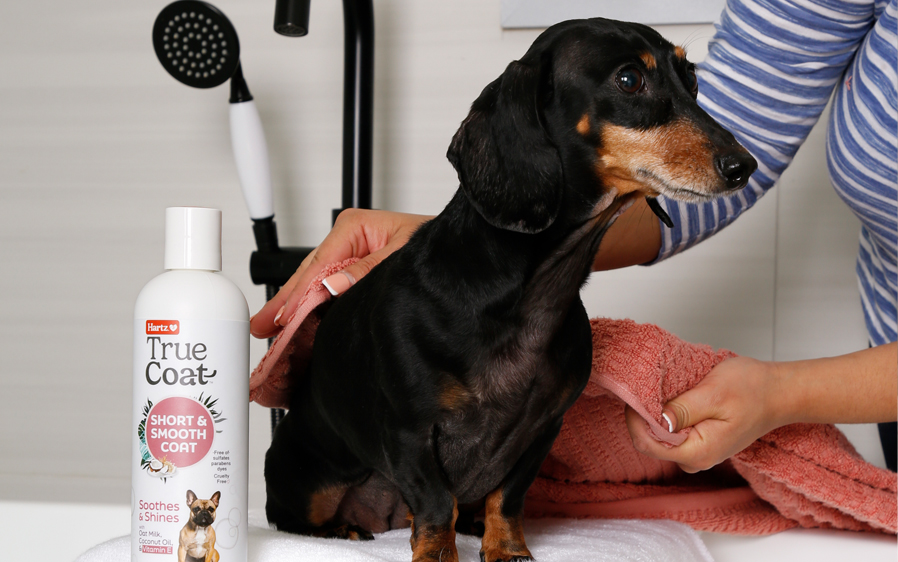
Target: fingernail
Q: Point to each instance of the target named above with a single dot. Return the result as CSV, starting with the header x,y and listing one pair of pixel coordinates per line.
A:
x,y
279,314
338,283
670,426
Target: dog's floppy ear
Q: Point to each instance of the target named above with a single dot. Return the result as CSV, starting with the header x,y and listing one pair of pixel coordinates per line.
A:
x,y
508,167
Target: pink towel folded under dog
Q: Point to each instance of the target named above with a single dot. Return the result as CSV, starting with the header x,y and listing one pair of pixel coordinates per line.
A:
x,y
805,475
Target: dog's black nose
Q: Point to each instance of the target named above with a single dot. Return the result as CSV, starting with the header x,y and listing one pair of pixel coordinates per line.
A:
x,y
736,168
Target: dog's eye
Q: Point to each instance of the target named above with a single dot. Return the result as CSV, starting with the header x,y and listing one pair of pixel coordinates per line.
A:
x,y
692,81
629,80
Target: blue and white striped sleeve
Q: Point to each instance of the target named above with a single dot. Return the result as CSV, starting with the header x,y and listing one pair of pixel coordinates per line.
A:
x,y
770,70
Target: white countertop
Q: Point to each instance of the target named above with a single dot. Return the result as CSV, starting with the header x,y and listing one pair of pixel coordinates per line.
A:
x,y
25,533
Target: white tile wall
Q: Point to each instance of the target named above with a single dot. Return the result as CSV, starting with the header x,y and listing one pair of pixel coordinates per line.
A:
x,y
96,140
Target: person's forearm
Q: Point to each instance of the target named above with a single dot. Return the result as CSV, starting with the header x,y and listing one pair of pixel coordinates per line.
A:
x,y
633,239
860,387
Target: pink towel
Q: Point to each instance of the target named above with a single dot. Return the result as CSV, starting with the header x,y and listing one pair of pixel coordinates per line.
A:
x,y
269,383
799,475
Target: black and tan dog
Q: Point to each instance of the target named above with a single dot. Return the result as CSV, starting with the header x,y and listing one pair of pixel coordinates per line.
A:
x,y
196,542
439,381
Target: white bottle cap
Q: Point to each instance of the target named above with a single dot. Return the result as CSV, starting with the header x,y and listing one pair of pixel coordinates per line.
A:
x,y
193,238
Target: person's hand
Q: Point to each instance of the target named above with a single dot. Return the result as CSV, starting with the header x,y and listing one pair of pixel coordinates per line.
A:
x,y
735,404
366,234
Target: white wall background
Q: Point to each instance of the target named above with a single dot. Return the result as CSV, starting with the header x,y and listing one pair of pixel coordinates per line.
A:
x,y
96,140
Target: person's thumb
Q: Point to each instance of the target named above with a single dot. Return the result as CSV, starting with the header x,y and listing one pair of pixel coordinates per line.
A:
x,y
340,282
689,408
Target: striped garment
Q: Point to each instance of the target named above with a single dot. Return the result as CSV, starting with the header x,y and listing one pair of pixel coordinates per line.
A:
x,y
771,68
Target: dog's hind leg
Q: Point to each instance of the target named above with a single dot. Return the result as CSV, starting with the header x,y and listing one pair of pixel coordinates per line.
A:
x,y
305,486
503,537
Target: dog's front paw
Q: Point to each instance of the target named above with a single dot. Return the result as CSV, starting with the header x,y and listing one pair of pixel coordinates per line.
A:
x,y
500,557
433,544
508,548
504,543
444,554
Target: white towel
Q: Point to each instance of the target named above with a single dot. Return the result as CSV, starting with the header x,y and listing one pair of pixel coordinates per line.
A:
x,y
550,540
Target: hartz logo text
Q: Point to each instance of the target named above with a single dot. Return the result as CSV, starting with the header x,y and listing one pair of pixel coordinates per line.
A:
x,y
167,327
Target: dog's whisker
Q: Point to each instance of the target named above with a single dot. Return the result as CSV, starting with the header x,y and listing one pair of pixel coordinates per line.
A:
x,y
693,37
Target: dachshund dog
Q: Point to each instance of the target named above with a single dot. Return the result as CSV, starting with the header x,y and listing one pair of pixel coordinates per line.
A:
x,y
438,382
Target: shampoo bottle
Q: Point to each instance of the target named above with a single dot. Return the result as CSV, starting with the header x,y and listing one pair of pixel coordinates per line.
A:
x,y
191,402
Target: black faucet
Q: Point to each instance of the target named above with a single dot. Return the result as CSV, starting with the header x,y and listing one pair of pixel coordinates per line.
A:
x,y
272,265
291,18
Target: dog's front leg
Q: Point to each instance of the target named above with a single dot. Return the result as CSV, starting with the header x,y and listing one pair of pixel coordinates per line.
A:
x,y
503,537
433,507
433,532
211,553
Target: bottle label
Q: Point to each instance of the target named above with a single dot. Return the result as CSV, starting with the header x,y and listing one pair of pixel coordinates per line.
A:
x,y
190,434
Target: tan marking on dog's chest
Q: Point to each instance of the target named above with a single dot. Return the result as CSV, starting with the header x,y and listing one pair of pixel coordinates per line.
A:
x,y
453,395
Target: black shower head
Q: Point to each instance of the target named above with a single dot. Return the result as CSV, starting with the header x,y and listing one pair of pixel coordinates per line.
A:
x,y
291,17
196,43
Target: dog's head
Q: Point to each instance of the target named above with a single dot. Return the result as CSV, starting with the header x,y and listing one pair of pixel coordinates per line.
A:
x,y
202,512
593,106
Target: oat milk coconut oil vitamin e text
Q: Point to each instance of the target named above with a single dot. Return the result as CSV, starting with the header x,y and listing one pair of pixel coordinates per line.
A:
x,y
191,402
